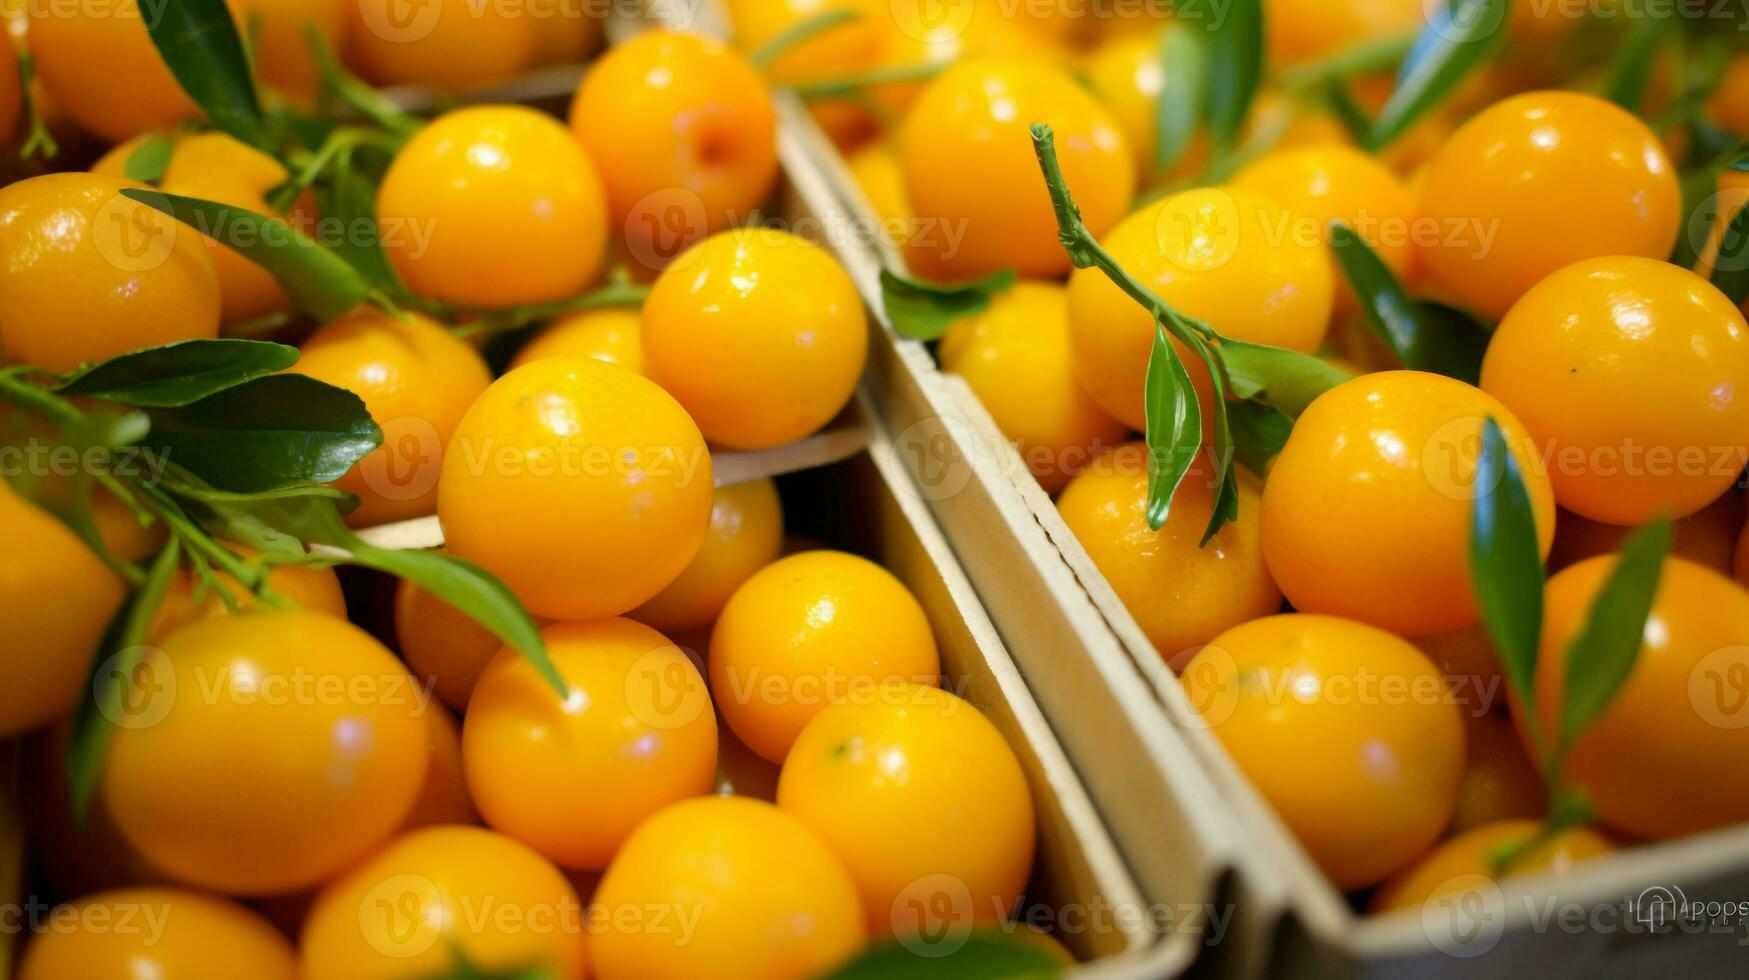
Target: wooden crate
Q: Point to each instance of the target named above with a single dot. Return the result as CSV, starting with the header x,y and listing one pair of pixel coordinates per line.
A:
x,y
848,489
1089,662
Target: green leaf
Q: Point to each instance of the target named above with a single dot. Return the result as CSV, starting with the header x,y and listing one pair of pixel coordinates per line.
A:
x,y
1506,565
318,282
180,373
1259,433
1278,377
1731,265
199,42
1631,69
271,522
1174,427
982,955
1184,65
472,591
310,514
273,432
349,198
1226,506
1424,336
149,160
1458,38
924,311
112,671
1339,97
1602,657
1235,55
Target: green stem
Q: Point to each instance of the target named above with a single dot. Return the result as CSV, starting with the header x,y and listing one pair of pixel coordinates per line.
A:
x,y
1086,252
342,139
250,575
850,85
353,91
40,138
797,33
31,398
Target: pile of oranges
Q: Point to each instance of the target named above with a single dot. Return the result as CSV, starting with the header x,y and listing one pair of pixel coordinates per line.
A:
x,y
730,751
626,726
1329,632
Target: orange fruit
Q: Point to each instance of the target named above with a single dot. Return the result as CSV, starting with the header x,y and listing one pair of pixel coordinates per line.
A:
x,y
1666,757
443,797
767,897
1180,592
1126,73
610,335
216,167
569,33
157,932
441,645
1346,730
307,587
1627,371
808,631
1500,781
1508,186
1728,105
450,46
431,897
1215,254
1326,184
956,827
1706,537
56,598
101,68
584,487
417,379
1015,356
86,274
969,165
1297,32
920,34
850,48
746,535
759,334
685,137
282,747
1464,864
1367,510
494,206
571,778
275,31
